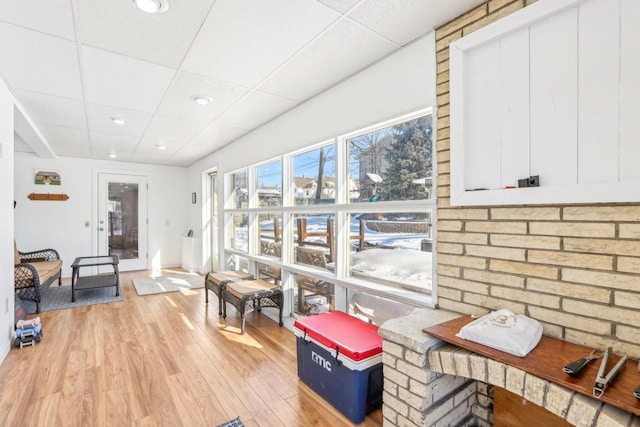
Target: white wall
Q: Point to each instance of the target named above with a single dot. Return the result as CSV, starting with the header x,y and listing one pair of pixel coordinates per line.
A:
x,y
6,221
401,83
61,225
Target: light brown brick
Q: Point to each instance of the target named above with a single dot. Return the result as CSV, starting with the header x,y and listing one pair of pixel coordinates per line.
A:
x,y
464,214
442,56
441,145
496,227
569,289
442,77
444,111
600,262
460,307
444,167
442,119
444,155
582,411
464,285
495,278
602,213
444,42
543,300
524,268
614,314
443,180
497,4
515,380
558,399
447,270
631,265
627,299
493,303
496,373
441,68
521,241
594,341
450,248
500,13
443,100
613,417
573,229
442,192
442,122
463,261
496,252
603,246
594,326
461,21
535,389
603,279
526,214
475,238
629,231
449,293
627,333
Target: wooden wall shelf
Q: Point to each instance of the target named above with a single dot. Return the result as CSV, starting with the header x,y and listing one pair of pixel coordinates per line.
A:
x,y
48,196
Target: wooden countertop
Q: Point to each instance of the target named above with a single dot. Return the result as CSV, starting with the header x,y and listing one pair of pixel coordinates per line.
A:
x,y
547,360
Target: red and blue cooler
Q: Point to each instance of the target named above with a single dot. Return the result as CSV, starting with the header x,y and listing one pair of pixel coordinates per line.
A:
x,y
340,357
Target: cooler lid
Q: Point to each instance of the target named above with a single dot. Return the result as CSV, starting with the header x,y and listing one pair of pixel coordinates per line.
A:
x,y
354,338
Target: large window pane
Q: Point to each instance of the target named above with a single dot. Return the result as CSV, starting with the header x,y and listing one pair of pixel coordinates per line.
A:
x,y
314,176
270,234
238,185
394,248
314,240
239,232
269,184
393,163
312,296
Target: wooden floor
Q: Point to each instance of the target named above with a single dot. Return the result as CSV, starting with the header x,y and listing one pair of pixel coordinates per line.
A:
x,y
164,359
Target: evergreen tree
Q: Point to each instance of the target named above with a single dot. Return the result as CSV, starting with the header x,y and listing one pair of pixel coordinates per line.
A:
x,y
408,158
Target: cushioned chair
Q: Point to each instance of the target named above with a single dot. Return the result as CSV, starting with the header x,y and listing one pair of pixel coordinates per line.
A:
x,y
34,272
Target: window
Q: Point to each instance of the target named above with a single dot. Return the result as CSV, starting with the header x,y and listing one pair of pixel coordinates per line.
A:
x,y
354,215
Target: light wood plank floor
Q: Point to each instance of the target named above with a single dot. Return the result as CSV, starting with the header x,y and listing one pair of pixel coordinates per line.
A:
x,y
163,359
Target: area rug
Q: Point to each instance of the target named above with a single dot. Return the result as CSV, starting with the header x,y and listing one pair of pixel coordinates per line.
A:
x,y
171,283
232,423
59,297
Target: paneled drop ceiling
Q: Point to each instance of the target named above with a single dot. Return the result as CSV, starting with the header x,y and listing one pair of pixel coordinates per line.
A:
x,y
74,65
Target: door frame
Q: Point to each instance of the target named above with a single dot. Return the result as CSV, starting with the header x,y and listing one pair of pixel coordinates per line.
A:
x,y
96,214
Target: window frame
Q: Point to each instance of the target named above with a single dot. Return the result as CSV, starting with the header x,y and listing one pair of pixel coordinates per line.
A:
x,y
341,209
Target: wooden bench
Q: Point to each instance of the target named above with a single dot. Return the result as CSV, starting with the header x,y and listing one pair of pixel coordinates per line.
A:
x,y
218,281
249,295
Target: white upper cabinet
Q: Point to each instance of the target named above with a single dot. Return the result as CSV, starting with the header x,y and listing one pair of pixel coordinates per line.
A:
x,y
551,90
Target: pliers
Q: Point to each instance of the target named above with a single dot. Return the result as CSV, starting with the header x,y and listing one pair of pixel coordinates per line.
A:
x,y
574,368
602,380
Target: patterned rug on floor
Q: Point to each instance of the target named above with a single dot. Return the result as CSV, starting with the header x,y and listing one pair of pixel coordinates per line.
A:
x,y
232,423
59,297
171,283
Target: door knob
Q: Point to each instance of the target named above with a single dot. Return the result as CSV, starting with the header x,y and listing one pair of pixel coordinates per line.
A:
x,y
101,228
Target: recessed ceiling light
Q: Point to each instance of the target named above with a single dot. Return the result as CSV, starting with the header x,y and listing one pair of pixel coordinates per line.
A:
x,y
161,147
113,155
201,100
118,120
152,6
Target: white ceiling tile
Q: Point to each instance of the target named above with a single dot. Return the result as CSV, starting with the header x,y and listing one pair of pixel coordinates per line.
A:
x,y
256,109
173,129
193,150
119,26
339,5
53,110
216,135
50,16
117,80
108,142
177,101
340,52
58,135
100,120
39,63
150,146
153,158
406,20
244,41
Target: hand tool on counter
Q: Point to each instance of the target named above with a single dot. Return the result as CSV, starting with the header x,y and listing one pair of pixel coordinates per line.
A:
x,y
575,368
603,381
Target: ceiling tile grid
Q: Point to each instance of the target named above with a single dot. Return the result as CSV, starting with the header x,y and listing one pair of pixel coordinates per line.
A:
x,y
75,65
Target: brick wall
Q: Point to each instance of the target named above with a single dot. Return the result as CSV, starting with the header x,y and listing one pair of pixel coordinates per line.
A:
x,y
575,268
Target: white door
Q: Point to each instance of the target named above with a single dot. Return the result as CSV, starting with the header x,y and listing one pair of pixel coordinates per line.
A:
x,y
122,219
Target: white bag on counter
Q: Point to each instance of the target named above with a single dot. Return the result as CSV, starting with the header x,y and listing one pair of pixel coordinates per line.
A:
x,y
512,333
